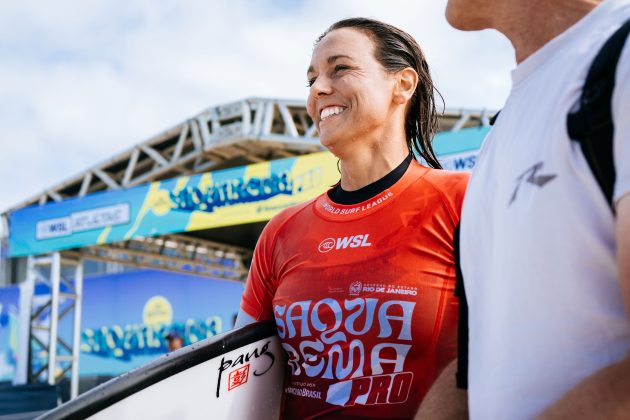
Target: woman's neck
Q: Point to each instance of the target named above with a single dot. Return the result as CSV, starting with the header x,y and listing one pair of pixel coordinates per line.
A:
x,y
367,165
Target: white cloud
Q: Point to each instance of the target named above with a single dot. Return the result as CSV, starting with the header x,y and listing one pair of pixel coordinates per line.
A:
x,y
82,81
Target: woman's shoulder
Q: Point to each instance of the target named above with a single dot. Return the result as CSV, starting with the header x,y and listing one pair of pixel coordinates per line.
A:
x,y
290,214
445,174
448,181
450,186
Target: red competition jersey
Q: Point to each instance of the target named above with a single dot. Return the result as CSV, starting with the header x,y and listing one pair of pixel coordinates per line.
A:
x,y
362,296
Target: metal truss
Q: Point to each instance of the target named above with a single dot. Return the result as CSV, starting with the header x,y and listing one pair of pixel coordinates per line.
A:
x,y
248,131
61,275
178,253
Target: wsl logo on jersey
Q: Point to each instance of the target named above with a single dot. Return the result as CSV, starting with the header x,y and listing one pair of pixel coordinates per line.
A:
x,y
354,241
327,245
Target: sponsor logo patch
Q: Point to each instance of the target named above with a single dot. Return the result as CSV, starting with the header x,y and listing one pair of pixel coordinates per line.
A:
x,y
327,245
371,390
355,288
354,241
303,392
357,209
530,176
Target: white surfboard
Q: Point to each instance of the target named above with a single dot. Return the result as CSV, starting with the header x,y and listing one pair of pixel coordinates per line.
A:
x,y
237,375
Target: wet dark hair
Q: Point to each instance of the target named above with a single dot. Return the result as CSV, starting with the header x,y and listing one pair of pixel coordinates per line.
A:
x,y
396,50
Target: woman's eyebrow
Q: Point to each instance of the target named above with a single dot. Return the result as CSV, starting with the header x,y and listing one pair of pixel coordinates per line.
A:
x,y
330,60
334,58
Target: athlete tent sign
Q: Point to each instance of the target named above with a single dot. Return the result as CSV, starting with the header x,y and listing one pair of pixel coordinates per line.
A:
x,y
228,197
222,198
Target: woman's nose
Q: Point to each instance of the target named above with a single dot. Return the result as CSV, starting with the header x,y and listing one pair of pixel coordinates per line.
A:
x,y
320,87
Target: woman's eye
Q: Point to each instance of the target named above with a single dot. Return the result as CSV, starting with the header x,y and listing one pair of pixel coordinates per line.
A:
x,y
336,69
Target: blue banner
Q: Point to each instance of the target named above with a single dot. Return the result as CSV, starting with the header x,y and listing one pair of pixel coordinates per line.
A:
x,y
233,196
9,330
126,317
228,197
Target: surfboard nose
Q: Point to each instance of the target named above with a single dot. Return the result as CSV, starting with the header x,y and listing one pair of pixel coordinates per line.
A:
x,y
238,374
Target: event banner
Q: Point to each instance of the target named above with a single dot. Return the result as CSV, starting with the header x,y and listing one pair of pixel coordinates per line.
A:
x,y
233,196
9,331
228,197
127,316
457,150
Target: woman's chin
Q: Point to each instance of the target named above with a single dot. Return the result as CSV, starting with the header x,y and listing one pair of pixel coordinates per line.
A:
x,y
330,139
327,142
331,146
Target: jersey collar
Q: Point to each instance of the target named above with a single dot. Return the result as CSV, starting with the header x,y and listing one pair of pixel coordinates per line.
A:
x,y
330,210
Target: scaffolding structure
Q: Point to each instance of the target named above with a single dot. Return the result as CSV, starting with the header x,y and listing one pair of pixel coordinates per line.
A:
x,y
248,131
61,276
177,253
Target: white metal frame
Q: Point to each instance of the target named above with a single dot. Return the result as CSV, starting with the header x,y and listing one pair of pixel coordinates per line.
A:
x,y
251,130
172,253
49,309
178,253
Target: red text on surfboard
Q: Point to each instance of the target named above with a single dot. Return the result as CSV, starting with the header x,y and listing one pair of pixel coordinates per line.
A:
x,y
238,377
261,367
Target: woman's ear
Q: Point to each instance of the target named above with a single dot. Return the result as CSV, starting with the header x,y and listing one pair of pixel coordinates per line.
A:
x,y
406,82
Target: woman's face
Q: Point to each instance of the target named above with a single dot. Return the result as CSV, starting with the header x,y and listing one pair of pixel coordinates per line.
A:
x,y
351,95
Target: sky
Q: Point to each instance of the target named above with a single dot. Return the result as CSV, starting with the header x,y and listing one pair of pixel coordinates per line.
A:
x,y
83,80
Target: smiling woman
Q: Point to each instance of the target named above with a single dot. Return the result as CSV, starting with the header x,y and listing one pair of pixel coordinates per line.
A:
x,y
360,280
371,66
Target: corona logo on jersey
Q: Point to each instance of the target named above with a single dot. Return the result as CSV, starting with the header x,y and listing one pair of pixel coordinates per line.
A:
x,y
327,245
354,241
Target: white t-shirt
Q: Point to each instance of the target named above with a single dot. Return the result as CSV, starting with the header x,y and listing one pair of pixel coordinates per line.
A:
x,y
537,238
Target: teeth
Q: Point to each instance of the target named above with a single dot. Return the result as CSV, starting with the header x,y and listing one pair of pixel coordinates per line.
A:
x,y
331,110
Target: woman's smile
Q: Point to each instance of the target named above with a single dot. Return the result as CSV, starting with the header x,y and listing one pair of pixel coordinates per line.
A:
x,y
330,111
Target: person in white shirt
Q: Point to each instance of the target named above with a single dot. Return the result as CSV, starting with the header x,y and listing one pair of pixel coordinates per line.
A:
x,y
545,262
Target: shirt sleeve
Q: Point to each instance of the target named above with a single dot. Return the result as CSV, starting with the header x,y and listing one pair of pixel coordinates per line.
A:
x,y
453,189
261,285
460,192
621,111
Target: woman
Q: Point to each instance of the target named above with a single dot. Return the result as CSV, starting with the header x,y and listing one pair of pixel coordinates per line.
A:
x,y
360,280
